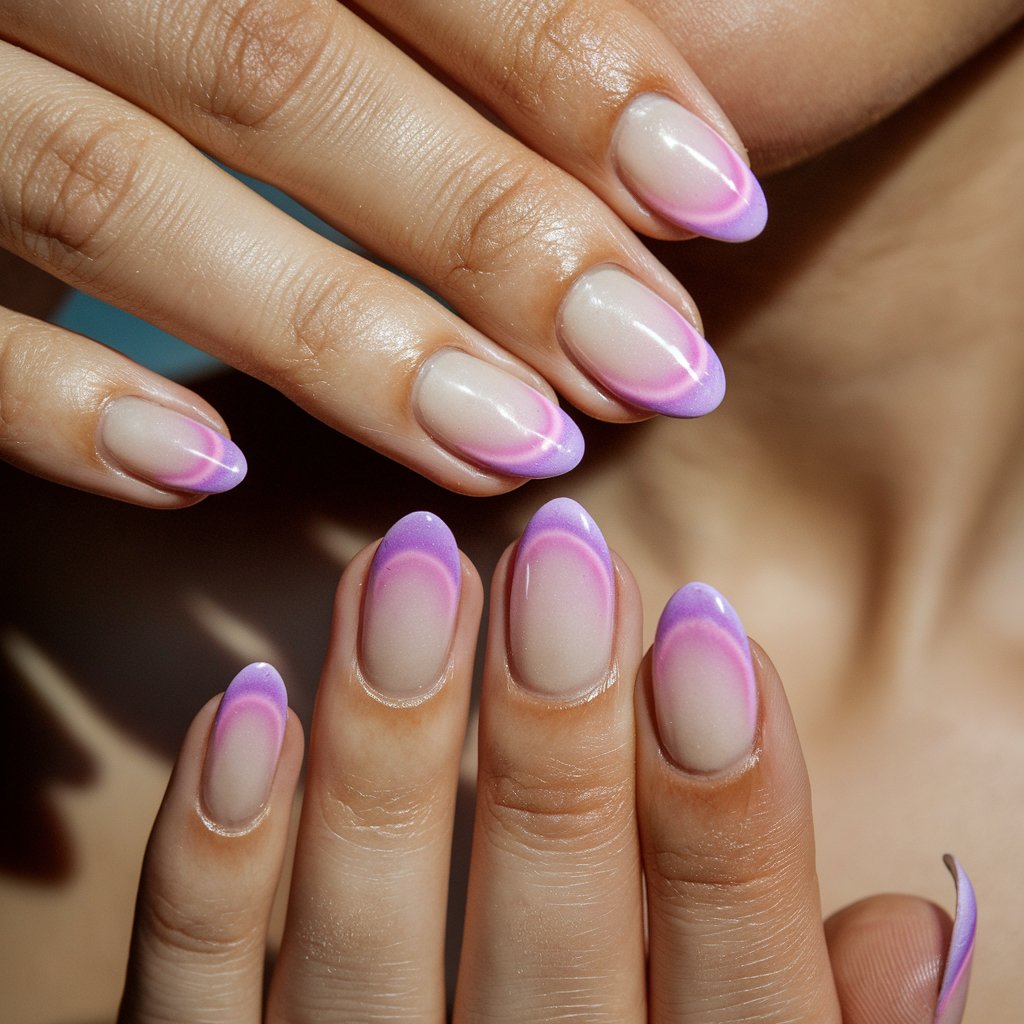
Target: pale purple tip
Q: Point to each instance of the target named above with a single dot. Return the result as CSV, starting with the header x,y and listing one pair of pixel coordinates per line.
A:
x,y
421,531
701,601
567,516
956,974
258,680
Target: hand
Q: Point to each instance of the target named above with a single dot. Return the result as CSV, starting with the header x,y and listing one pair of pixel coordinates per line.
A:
x,y
106,109
694,786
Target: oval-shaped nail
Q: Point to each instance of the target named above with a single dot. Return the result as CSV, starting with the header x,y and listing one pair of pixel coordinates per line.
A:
x,y
956,973
638,346
165,448
412,599
705,692
685,171
494,419
244,746
562,603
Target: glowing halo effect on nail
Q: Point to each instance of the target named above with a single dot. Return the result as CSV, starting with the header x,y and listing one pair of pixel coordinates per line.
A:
x,y
705,693
685,171
562,603
957,972
410,608
244,746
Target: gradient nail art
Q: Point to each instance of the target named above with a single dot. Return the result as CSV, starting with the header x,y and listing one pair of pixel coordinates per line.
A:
x,y
562,603
244,745
640,348
705,694
412,599
955,976
168,449
685,171
493,419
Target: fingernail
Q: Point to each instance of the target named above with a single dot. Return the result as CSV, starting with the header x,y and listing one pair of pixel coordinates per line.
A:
x,y
242,753
685,171
168,449
562,603
493,419
705,696
412,597
957,973
640,348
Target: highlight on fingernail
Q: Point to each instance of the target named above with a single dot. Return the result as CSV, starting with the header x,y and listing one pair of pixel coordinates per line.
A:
x,y
410,608
705,692
493,419
682,169
166,448
957,970
639,347
562,603
243,749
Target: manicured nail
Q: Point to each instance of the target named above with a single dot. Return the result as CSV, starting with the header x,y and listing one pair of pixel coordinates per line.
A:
x,y
640,348
562,604
242,753
705,696
168,449
493,419
685,171
957,973
412,597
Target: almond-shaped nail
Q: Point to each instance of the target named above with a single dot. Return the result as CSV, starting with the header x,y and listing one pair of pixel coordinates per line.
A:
x,y
244,746
641,349
412,599
685,171
957,971
562,603
494,419
165,448
705,693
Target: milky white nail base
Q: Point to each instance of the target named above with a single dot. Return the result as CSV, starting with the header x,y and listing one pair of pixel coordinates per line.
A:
x,y
957,973
685,171
493,419
641,349
562,603
244,746
705,694
168,449
412,599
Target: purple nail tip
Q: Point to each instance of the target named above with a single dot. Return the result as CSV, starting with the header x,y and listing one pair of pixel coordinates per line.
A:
x,y
701,601
567,516
258,680
748,221
420,531
704,396
952,990
558,454
227,471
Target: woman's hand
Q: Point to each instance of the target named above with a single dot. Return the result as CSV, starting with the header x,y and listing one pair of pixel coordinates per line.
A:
x,y
107,109
693,786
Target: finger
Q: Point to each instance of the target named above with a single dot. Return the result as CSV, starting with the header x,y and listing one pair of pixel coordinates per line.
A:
x,y
597,88
81,414
112,201
213,861
366,918
725,820
554,912
304,94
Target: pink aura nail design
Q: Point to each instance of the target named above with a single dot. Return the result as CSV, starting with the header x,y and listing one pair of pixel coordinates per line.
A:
x,y
705,693
244,745
638,346
412,599
562,602
494,419
957,972
168,449
685,171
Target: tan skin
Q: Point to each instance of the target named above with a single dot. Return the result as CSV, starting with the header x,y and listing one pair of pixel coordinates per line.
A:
x,y
858,498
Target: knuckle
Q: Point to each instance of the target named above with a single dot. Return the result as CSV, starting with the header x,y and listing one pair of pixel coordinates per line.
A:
x,y
358,813
211,930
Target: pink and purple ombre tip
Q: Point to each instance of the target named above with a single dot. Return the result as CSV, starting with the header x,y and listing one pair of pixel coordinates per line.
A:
x,y
562,520
216,463
956,974
421,543
258,690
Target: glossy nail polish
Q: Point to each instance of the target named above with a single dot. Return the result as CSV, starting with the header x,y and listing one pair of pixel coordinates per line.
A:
x,y
957,971
682,169
562,603
493,419
641,349
244,745
412,598
705,694
165,448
